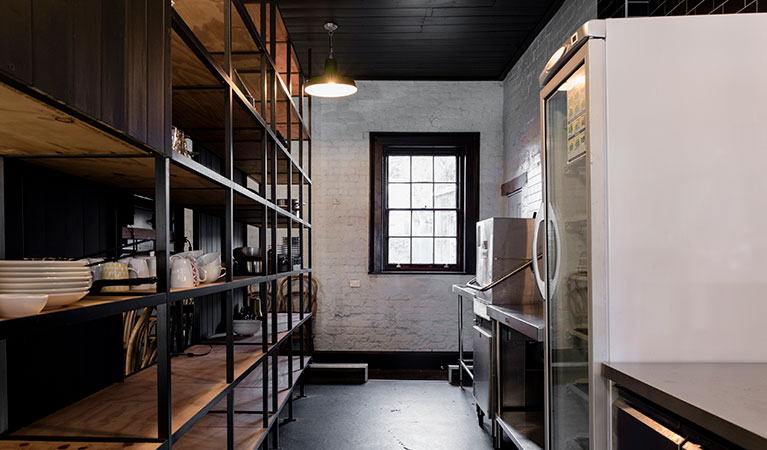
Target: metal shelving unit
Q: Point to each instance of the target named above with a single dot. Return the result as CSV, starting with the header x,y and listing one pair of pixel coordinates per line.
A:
x,y
237,89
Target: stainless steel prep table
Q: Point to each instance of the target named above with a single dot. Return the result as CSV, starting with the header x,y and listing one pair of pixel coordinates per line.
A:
x,y
727,399
523,428
529,323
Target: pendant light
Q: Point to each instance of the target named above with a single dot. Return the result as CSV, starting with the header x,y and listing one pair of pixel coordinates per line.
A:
x,y
330,84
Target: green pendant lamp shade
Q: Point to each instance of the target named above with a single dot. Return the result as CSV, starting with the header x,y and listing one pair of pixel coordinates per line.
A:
x,y
330,84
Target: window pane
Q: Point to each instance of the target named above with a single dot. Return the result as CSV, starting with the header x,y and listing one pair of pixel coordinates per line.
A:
x,y
399,195
399,223
423,251
399,168
445,251
445,168
422,195
399,251
422,168
423,223
444,195
445,223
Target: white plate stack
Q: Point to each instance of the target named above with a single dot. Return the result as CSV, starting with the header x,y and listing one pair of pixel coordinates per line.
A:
x,y
65,282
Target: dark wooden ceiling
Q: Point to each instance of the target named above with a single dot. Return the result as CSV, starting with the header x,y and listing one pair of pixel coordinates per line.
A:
x,y
417,39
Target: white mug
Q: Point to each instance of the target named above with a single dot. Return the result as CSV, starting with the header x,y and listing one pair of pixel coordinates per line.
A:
x,y
210,258
181,275
152,265
212,272
196,275
115,271
142,271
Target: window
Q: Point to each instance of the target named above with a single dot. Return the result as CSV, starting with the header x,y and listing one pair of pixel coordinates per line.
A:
x,y
423,200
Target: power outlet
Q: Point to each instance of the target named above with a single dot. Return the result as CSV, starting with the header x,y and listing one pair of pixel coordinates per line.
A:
x,y
354,283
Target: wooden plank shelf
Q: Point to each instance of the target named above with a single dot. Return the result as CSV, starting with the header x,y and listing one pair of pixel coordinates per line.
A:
x,y
74,445
128,410
89,308
249,432
282,327
33,123
94,307
210,431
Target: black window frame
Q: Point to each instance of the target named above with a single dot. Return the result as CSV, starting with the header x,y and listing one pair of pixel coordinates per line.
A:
x,y
463,145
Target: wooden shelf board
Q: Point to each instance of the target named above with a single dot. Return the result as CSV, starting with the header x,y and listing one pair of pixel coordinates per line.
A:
x,y
136,175
86,302
206,19
30,127
61,445
282,328
209,434
210,431
186,67
128,409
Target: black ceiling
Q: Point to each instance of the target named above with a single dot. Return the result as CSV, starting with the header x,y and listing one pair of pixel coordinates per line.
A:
x,y
417,39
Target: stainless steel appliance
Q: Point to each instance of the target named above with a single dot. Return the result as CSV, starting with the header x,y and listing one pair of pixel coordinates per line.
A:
x,y
507,365
503,245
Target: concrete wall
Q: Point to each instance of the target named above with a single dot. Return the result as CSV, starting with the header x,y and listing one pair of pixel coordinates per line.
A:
x,y
388,312
521,108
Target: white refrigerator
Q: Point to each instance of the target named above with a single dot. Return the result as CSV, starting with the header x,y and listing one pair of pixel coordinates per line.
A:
x,y
654,220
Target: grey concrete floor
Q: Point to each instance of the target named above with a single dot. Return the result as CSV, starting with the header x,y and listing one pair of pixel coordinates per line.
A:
x,y
385,415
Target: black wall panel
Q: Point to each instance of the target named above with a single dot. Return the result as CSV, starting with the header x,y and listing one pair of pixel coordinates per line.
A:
x,y
105,58
50,214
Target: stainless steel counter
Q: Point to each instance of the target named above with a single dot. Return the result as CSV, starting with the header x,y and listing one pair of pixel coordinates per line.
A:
x,y
728,399
529,322
526,319
463,290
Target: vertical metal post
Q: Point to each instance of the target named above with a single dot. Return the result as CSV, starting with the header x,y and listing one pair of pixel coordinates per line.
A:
x,y
460,341
177,310
301,243
308,219
306,115
162,245
4,413
264,349
301,227
228,223
303,119
264,81
289,163
273,123
2,209
498,402
3,387
262,288
3,345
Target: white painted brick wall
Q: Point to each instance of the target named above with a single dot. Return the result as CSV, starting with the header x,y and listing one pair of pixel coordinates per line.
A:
x,y
521,105
389,312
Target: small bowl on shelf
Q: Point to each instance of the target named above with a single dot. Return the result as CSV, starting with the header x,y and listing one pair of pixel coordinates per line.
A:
x,y
246,327
20,305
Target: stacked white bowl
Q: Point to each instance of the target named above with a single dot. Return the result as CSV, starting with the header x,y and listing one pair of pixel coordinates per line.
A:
x,y
64,282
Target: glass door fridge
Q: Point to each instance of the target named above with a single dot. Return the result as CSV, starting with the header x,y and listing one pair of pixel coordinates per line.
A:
x,y
563,226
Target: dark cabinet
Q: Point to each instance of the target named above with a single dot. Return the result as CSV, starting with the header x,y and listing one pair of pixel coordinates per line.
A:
x,y
104,58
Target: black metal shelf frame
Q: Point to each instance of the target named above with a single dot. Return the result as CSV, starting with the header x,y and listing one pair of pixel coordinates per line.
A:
x,y
164,299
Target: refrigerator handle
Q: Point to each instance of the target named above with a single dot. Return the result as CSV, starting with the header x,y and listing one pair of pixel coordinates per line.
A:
x,y
536,227
552,218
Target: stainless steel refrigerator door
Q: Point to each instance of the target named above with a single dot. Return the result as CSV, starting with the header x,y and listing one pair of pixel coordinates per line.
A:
x,y
566,274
